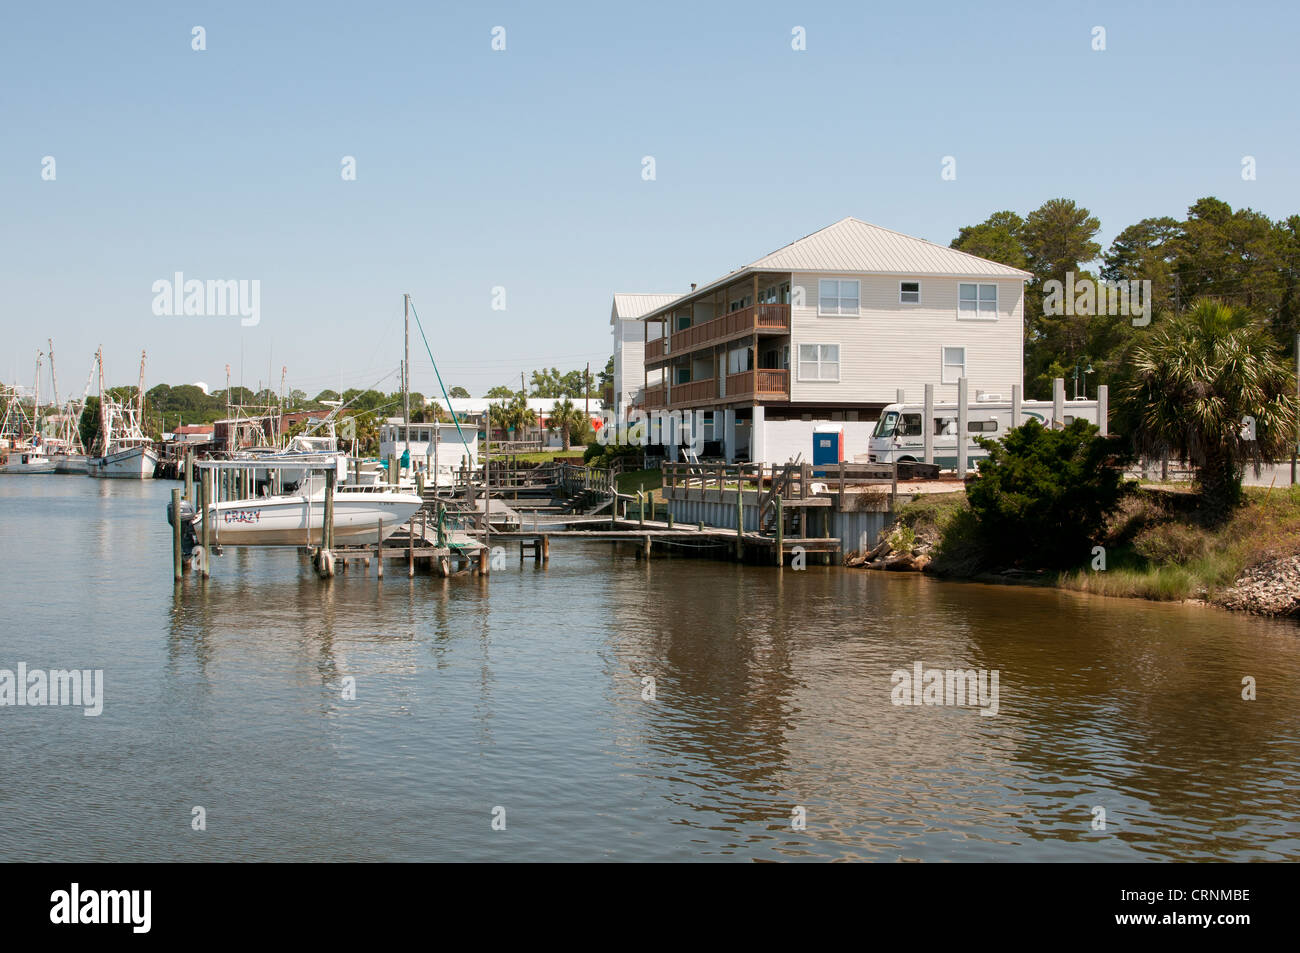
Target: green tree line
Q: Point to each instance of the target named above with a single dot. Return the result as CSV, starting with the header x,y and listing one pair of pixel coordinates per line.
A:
x,y
1240,258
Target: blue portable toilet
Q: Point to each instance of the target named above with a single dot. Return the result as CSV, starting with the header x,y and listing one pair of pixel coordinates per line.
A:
x,y
828,446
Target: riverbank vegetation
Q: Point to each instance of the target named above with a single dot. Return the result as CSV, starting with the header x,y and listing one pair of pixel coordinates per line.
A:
x,y
1155,544
1210,388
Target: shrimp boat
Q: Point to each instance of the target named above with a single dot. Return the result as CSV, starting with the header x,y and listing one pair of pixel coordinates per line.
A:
x,y
122,450
362,514
25,460
62,429
21,448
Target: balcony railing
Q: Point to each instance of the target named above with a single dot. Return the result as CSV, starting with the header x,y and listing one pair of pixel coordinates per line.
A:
x,y
765,382
758,318
693,391
771,384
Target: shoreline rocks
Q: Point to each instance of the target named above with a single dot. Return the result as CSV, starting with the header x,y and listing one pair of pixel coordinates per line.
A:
x,y
1270,589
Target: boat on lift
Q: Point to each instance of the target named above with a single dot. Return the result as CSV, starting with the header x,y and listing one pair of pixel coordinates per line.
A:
x,y
362,514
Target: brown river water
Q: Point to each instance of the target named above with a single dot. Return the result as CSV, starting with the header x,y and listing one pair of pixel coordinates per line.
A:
x,y
771,734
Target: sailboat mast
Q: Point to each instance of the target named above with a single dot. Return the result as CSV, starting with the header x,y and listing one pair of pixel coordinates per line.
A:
x,y
36,397
139,396
103,405
406,374
54,376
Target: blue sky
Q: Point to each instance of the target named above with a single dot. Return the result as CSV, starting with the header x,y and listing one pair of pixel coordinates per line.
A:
x,y
522,169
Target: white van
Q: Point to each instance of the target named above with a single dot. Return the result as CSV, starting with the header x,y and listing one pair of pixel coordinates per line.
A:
x,y
898,437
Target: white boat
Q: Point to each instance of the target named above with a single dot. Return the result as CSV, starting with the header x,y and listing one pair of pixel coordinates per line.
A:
x,y
298,519
301,449
122,450
63,429
126,459
25,460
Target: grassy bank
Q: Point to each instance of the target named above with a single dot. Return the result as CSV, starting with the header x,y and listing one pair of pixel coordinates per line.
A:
x,y
1156,546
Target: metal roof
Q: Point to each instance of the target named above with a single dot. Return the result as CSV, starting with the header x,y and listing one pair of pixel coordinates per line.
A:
x,y
852,246
631,306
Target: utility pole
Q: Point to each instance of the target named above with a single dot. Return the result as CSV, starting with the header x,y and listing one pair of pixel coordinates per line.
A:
x,y
586,391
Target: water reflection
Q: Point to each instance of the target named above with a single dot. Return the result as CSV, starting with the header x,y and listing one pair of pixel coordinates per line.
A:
x,y
524,690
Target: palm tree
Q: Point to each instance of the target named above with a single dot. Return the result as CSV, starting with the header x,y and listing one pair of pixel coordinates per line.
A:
x,y
1210,388
566,419
514,415
521,415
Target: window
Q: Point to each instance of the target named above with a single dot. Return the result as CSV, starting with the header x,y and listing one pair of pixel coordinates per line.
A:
x,y
894,424
945,426
981,426
819,362
837,297
977,301
909,292
954,364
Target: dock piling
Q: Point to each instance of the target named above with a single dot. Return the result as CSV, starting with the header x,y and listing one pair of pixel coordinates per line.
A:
x,y
205,491
177,570
780,533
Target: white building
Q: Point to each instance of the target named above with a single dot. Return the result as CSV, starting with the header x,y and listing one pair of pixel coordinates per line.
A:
x,y
431,444
629,344
474,410
827,330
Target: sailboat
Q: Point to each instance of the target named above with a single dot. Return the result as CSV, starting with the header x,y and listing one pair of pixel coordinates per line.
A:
x,y
122,450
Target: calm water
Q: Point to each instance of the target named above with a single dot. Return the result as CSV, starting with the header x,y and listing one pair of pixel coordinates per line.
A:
x,y
525,692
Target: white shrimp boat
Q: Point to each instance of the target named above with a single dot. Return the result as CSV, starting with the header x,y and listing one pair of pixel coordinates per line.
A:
x,y
298,519
25,460
122,450
126,459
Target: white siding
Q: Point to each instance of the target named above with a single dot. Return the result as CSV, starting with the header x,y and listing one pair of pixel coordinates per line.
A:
x,y
892,345
629,359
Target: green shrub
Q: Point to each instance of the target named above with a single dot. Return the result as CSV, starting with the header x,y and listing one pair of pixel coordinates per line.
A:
x,y
960,551
1042,496
902,539
1166,543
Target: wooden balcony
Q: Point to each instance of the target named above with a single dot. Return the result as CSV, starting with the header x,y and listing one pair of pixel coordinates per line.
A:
x,y
695,392
763,384
756,319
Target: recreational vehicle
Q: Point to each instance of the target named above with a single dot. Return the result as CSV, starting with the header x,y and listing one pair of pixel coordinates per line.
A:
x,y
899,438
